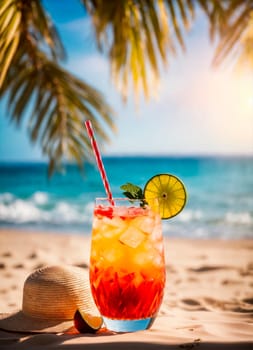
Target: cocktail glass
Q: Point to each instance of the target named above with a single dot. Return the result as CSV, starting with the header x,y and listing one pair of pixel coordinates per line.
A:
x,y
127,269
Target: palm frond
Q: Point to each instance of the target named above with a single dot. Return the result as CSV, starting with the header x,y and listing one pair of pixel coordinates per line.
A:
x,y
26,20
56,102
174,20
236,23
245,55
59,103
10,20
137,37
184,13
45,30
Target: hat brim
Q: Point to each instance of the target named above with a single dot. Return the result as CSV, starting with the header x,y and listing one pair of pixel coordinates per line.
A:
x,y
19,322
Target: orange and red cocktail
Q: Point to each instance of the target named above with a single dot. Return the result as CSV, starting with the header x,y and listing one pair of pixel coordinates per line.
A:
x,y
127,269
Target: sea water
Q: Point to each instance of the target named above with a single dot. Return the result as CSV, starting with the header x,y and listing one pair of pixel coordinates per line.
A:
x,y
220,194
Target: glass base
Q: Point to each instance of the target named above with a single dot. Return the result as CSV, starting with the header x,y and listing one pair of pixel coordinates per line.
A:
x,y
128,325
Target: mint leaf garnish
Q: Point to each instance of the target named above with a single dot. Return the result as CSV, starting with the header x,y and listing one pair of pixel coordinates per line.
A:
x,y
133,192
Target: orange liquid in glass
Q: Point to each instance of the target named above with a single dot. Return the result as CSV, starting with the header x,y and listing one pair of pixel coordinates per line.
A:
x,y
127,270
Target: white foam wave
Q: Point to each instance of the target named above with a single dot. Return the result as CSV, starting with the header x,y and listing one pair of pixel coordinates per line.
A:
x,y
190,215
67,213
239,218
40,198
19,211
52,213
27,211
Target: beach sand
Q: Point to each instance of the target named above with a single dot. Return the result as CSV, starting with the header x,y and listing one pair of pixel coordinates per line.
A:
x,y
208,302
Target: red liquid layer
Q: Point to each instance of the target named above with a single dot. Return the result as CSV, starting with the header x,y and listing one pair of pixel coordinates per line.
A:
x,y
126,296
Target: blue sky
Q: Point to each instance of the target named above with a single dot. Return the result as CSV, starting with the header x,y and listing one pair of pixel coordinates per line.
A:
x,y
195,110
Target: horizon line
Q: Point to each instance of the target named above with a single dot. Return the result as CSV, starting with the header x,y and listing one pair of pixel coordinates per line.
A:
x,y
139,155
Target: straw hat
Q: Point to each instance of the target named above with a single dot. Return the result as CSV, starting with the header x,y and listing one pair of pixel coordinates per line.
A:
x,y
51,296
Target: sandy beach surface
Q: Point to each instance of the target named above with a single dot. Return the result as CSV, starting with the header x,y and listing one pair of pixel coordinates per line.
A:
x,y
208,302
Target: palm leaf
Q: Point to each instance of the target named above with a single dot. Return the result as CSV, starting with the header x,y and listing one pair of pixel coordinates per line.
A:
x,y
46,30
27,19
41,116
149,40
176,26
6,17
161,35
6,61
190,7
4,6
235,24
23,99
184,13
117,23
246,51
136,35
56,102
9,38
51,120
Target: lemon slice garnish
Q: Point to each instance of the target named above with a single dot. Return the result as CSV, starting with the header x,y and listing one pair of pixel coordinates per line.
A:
x,y
165,193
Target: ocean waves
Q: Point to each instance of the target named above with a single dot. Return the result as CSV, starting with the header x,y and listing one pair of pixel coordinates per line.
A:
x,y
207,224
219,205
42,210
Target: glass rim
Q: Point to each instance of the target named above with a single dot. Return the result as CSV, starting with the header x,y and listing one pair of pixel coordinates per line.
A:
x,y
118,201
118,198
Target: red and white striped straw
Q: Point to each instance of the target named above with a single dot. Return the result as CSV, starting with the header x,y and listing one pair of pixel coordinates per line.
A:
x,y
99,160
